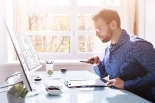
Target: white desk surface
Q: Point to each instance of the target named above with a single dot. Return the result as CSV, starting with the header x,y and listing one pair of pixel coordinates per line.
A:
x,y
78,95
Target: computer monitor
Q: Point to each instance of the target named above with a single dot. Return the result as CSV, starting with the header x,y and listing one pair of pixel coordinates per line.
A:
x,y
27,56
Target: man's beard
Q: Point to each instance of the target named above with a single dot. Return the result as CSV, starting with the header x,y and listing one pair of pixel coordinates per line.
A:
x,y
108,36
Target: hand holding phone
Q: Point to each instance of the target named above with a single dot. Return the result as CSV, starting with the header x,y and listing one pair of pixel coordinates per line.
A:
x,y
93,60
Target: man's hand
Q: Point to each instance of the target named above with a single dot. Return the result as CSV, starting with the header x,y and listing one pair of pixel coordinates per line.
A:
x,y
94,60
117,82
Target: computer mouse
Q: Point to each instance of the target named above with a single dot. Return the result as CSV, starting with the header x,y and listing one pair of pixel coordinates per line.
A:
x,y
52,88
54,91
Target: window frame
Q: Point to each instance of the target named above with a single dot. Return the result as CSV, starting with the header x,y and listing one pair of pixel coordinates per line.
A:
x,y
73,33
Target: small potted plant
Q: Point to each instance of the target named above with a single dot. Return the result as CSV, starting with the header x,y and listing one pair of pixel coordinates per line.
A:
x,y
17,93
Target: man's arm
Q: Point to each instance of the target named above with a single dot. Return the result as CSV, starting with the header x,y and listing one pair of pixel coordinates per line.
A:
x,y
144,53
100,70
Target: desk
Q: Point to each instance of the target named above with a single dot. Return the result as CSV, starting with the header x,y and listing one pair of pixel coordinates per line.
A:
x,y
79,95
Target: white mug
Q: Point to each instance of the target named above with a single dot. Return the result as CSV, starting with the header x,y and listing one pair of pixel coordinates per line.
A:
x,y
49,66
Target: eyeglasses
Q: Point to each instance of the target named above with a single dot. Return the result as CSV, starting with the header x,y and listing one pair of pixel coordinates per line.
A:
x,y
99,29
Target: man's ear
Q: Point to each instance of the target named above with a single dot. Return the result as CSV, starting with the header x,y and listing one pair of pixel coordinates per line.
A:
x,y
113,24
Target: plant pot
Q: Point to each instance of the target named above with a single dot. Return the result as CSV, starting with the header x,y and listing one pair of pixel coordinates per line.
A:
x,y
14,99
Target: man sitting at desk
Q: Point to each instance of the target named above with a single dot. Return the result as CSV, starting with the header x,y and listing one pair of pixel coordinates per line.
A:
x,y
128,60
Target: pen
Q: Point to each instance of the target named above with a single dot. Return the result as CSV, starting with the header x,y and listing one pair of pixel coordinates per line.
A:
x,y
77,80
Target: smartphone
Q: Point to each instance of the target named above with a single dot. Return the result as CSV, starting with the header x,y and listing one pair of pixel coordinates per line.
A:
x,y
83,61
87,61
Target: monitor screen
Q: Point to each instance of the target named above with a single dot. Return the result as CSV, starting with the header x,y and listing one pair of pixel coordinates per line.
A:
x,y
26,54
28,51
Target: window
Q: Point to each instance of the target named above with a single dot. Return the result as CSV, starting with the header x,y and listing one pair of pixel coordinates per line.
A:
x,y
61,29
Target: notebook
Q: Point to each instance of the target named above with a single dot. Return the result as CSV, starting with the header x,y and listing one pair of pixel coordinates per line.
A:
x,y
86,83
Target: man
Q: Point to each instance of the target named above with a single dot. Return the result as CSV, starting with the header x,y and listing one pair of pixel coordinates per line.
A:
x,y
128,60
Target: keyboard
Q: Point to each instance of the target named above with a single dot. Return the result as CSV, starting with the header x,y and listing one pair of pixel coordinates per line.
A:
x,y
53,83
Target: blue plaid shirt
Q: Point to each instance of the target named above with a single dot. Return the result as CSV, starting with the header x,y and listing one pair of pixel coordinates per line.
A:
x,y
132,59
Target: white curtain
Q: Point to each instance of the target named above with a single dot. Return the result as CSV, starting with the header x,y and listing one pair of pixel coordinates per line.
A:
x,y
127,13
20,16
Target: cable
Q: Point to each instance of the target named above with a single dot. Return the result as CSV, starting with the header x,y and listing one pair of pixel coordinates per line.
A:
x,y
2,91
11,76
11,85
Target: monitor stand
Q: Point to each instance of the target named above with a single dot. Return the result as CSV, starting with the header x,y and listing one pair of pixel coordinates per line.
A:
x,y
34,92
18,78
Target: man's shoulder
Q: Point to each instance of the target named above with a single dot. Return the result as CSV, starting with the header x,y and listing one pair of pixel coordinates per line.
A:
x,y
137,40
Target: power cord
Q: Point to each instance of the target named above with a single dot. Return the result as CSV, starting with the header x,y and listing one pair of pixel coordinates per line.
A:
x,y
11,76
11,85
2,91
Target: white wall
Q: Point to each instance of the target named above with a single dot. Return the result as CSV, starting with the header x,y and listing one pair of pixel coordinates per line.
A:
x,y
3,38
150,21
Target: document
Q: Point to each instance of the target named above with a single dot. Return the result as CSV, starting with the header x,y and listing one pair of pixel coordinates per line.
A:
x,y
86,83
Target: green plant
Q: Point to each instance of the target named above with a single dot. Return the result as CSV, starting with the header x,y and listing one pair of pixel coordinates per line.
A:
x,y
18,90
